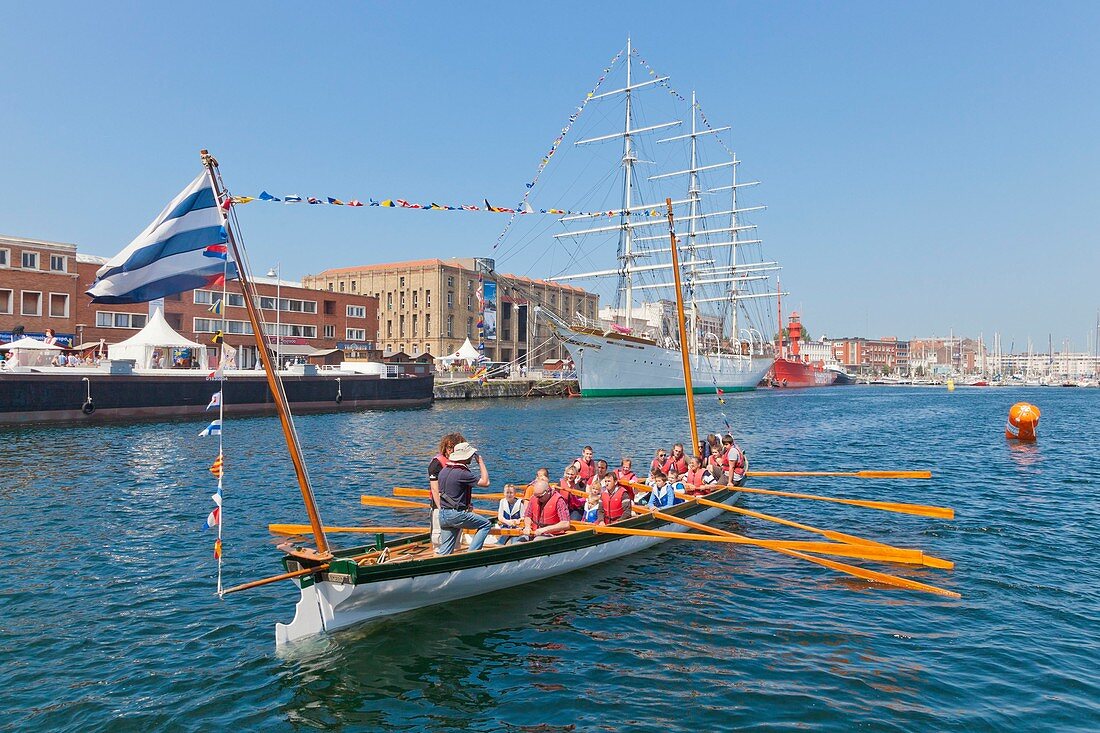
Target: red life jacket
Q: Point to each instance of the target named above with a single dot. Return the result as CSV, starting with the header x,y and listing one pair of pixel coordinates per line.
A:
x,y
680,464
695,478
613,503
585,470
625,475
738,462
552,512
658,465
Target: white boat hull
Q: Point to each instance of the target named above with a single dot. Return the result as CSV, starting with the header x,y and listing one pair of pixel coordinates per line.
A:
x,y
611,367
327,606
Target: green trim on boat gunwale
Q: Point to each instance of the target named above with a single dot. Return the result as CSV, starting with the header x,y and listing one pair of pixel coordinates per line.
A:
x,y
496,555
643,391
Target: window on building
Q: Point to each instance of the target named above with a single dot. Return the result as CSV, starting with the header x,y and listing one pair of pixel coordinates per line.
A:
x,y
450,282
6,298
450,325
402,300
469,327
330,331
416,298
389,301
330,307
30,260
58,263
330,287
450,299
469,284
389,329
108,319
32,303
5,258
428,325
427,298
505,311
59,305
353,283
415,333
341,286
203,297
402,282
416,349
356,334
469,301
401,325
357,311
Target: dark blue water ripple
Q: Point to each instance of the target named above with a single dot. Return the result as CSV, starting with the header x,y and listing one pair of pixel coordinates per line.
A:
x,y
108,619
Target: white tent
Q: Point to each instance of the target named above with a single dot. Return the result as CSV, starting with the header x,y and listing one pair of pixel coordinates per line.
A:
x,y
467,353
30,352
156,338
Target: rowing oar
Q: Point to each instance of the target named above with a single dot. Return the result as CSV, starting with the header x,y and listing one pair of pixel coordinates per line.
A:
x,y
295,529
402,504
929,560
292,529
863,552
921,510
424,493
855,570
853,474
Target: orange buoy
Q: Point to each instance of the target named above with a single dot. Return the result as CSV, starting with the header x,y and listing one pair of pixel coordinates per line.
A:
x,y
1023,422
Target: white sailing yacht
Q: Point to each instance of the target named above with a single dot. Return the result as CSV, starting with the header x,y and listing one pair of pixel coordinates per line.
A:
x,y
632,349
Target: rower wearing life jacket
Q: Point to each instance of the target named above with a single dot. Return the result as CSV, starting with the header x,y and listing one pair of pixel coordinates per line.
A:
x,y
677,461
586,467
547,514
624,471
659,462
733,461
615,500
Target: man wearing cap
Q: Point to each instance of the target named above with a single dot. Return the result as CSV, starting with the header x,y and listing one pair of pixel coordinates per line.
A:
x,y
456,483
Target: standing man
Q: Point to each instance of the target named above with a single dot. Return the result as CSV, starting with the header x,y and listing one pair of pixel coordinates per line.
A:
x,y
446,445
456,484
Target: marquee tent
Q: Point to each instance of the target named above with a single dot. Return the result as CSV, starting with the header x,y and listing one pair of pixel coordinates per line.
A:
x,y
156,338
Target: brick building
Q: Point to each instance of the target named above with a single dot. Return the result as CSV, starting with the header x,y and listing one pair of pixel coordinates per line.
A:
x,y
46,290
886,355
431,306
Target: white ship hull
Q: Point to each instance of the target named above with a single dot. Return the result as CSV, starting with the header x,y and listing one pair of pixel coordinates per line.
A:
x,y
610,366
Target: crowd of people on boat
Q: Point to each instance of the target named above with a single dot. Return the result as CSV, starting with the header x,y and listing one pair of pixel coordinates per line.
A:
x,y
588,492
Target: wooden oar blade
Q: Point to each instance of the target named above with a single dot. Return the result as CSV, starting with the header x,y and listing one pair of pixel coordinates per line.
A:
x,y
873,575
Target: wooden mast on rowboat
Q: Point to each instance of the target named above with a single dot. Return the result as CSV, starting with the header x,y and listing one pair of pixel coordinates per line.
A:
x,y
689,392
274,381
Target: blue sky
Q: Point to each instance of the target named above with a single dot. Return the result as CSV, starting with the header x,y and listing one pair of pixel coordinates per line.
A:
x,y
926,167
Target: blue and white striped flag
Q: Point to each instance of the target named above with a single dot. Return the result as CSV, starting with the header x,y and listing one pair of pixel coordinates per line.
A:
x,y
170,256
214,428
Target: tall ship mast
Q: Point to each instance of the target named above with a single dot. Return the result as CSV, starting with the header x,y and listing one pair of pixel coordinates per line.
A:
x,y
634,348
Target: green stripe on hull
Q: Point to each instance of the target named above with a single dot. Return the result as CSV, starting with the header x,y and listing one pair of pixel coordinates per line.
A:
x,y
640,391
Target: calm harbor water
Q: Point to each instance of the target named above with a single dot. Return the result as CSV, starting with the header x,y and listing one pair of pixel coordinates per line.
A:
x,y
108,619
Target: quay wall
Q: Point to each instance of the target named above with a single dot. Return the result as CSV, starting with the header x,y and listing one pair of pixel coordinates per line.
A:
x,y
471,389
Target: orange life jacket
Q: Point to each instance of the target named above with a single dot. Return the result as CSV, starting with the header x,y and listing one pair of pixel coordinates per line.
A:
x,y
613,503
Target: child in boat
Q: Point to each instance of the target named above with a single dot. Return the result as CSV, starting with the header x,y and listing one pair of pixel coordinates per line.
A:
x,y
593,512
616,500
543,473
662,496
624,472
675,480
510,513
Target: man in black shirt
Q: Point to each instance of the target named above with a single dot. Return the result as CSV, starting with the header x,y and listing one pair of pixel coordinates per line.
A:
x,y
456,483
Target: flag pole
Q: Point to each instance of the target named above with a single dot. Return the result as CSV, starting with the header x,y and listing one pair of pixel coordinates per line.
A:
x,y
688,389
274,382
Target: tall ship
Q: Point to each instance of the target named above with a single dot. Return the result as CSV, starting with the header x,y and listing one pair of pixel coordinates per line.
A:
x,y
633,348
791,369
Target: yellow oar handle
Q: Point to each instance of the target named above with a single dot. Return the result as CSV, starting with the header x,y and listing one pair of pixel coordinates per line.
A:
x,y
853,474
294,529
402,504
920,510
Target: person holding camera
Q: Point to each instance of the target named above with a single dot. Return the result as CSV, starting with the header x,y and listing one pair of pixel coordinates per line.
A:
x,y
456,484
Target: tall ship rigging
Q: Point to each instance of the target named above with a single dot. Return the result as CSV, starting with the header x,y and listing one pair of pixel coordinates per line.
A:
x,y
633,347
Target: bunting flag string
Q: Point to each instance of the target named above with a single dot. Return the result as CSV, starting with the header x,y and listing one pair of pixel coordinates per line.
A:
x,y
522,209
524,206
698,108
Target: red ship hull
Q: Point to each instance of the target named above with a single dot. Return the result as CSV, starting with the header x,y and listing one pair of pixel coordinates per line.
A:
x,y
790,373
